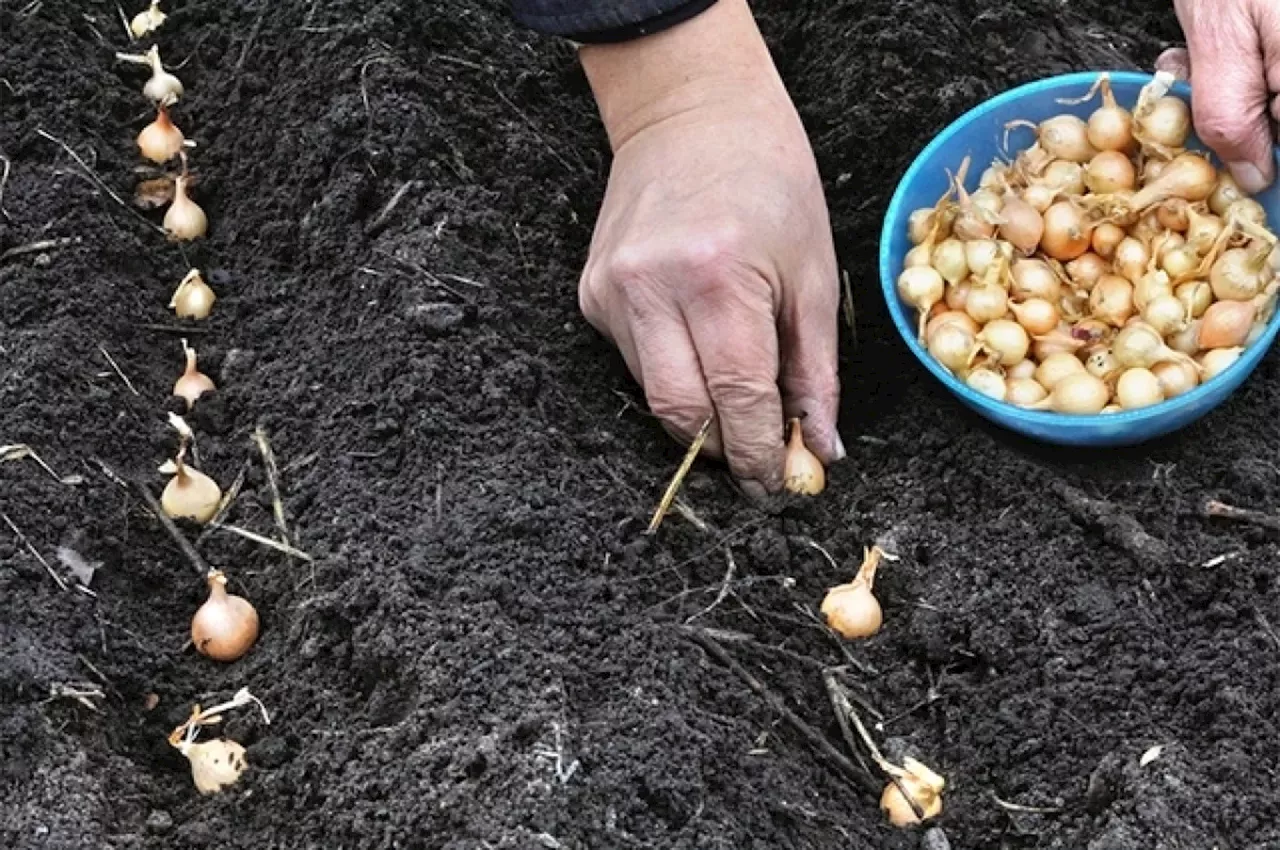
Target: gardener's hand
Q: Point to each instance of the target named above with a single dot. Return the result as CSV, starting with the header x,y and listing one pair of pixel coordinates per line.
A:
x,y
712,266
1233,50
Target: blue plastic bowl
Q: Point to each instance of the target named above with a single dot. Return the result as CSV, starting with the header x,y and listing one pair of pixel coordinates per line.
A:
x,y
979,134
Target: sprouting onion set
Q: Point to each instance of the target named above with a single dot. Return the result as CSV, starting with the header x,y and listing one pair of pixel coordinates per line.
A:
x,y
1104,268
225,627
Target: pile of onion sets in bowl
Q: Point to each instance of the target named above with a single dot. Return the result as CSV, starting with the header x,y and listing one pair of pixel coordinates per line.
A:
x,y
1106,267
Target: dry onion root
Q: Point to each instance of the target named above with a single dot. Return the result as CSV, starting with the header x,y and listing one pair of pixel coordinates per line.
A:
x,y
1107,244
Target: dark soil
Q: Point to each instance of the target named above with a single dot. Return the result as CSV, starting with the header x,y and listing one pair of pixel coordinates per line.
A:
x,y
485,652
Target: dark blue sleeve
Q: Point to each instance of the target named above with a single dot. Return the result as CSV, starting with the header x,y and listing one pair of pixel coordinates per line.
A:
x,y
605,20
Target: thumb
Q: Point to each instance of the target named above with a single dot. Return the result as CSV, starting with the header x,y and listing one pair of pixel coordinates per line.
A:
x,y
1231,104
808,333
1175,61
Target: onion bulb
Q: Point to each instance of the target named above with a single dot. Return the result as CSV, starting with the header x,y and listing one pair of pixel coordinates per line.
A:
x,y
921,255
163,87
226,625
1079,393
193,383
160,141
1021,224
920,225
1131,259
958,317
1218,360
1140,345
1054,368
1188,176
215,764
190,493
1024,391
1176,378
957,296
1112,300
979,254
193,299
1037,315
1166,314
1021,369
1167,122
1138,387
1101,363
949,260
1150,287
1066,234
147,21
986,302
1056,342
1202,230
1187,340
1110,127
1174,214
1240,274
1035,279
952,345
1039,196
1196,296
1106,237
1225,193
1110,171
921,786
1007,340
1180,261
184,220
852,609
1066,137
1246,209
1086,269
1226,324
1065,177
802,471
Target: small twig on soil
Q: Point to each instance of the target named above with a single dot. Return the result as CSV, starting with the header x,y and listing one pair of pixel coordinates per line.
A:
x,y
817,741
457,278
724,586
119,372
81,693
36,247
225,503
273,480
21,451
1214,508
173,329
385,216
4,181
1030,810
840,705
124,21
264,541
89,172
1265,624
850,317
674,487
830,560
364,88
1118,528
201,567
253,34
533,128
25,542
690,517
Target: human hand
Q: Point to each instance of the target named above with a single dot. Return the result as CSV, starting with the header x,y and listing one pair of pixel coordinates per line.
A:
x,y
712,266
1233,48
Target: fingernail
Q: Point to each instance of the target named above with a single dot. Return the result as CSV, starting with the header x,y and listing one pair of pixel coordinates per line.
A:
x,y
1249,176
841,454
753,489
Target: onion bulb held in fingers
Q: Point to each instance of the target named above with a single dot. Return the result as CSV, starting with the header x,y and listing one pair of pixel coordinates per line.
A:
x,y
802,472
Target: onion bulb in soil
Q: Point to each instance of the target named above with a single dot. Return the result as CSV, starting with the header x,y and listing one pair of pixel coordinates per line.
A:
x,y
852,610
193,383
163,87
226,625
802,471
184,220
193,299
215,764
190,494
917,784
147,21
161,140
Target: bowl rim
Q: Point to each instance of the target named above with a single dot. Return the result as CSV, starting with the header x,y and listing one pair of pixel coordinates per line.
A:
x,y
1003,410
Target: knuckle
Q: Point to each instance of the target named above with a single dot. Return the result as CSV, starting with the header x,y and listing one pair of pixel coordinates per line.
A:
x,y
710,261
740,391
682,410
1219,128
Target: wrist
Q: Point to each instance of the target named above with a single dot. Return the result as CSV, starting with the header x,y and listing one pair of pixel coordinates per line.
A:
x,y
718,55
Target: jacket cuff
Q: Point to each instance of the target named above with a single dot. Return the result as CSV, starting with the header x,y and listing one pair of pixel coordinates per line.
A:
x,y
610,26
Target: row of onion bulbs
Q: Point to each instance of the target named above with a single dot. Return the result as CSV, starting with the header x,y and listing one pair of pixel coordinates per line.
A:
x,y
1105,268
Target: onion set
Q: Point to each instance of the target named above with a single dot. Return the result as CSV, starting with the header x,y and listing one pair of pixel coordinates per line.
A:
x,y
852,609
225,626
1104,267
802,471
